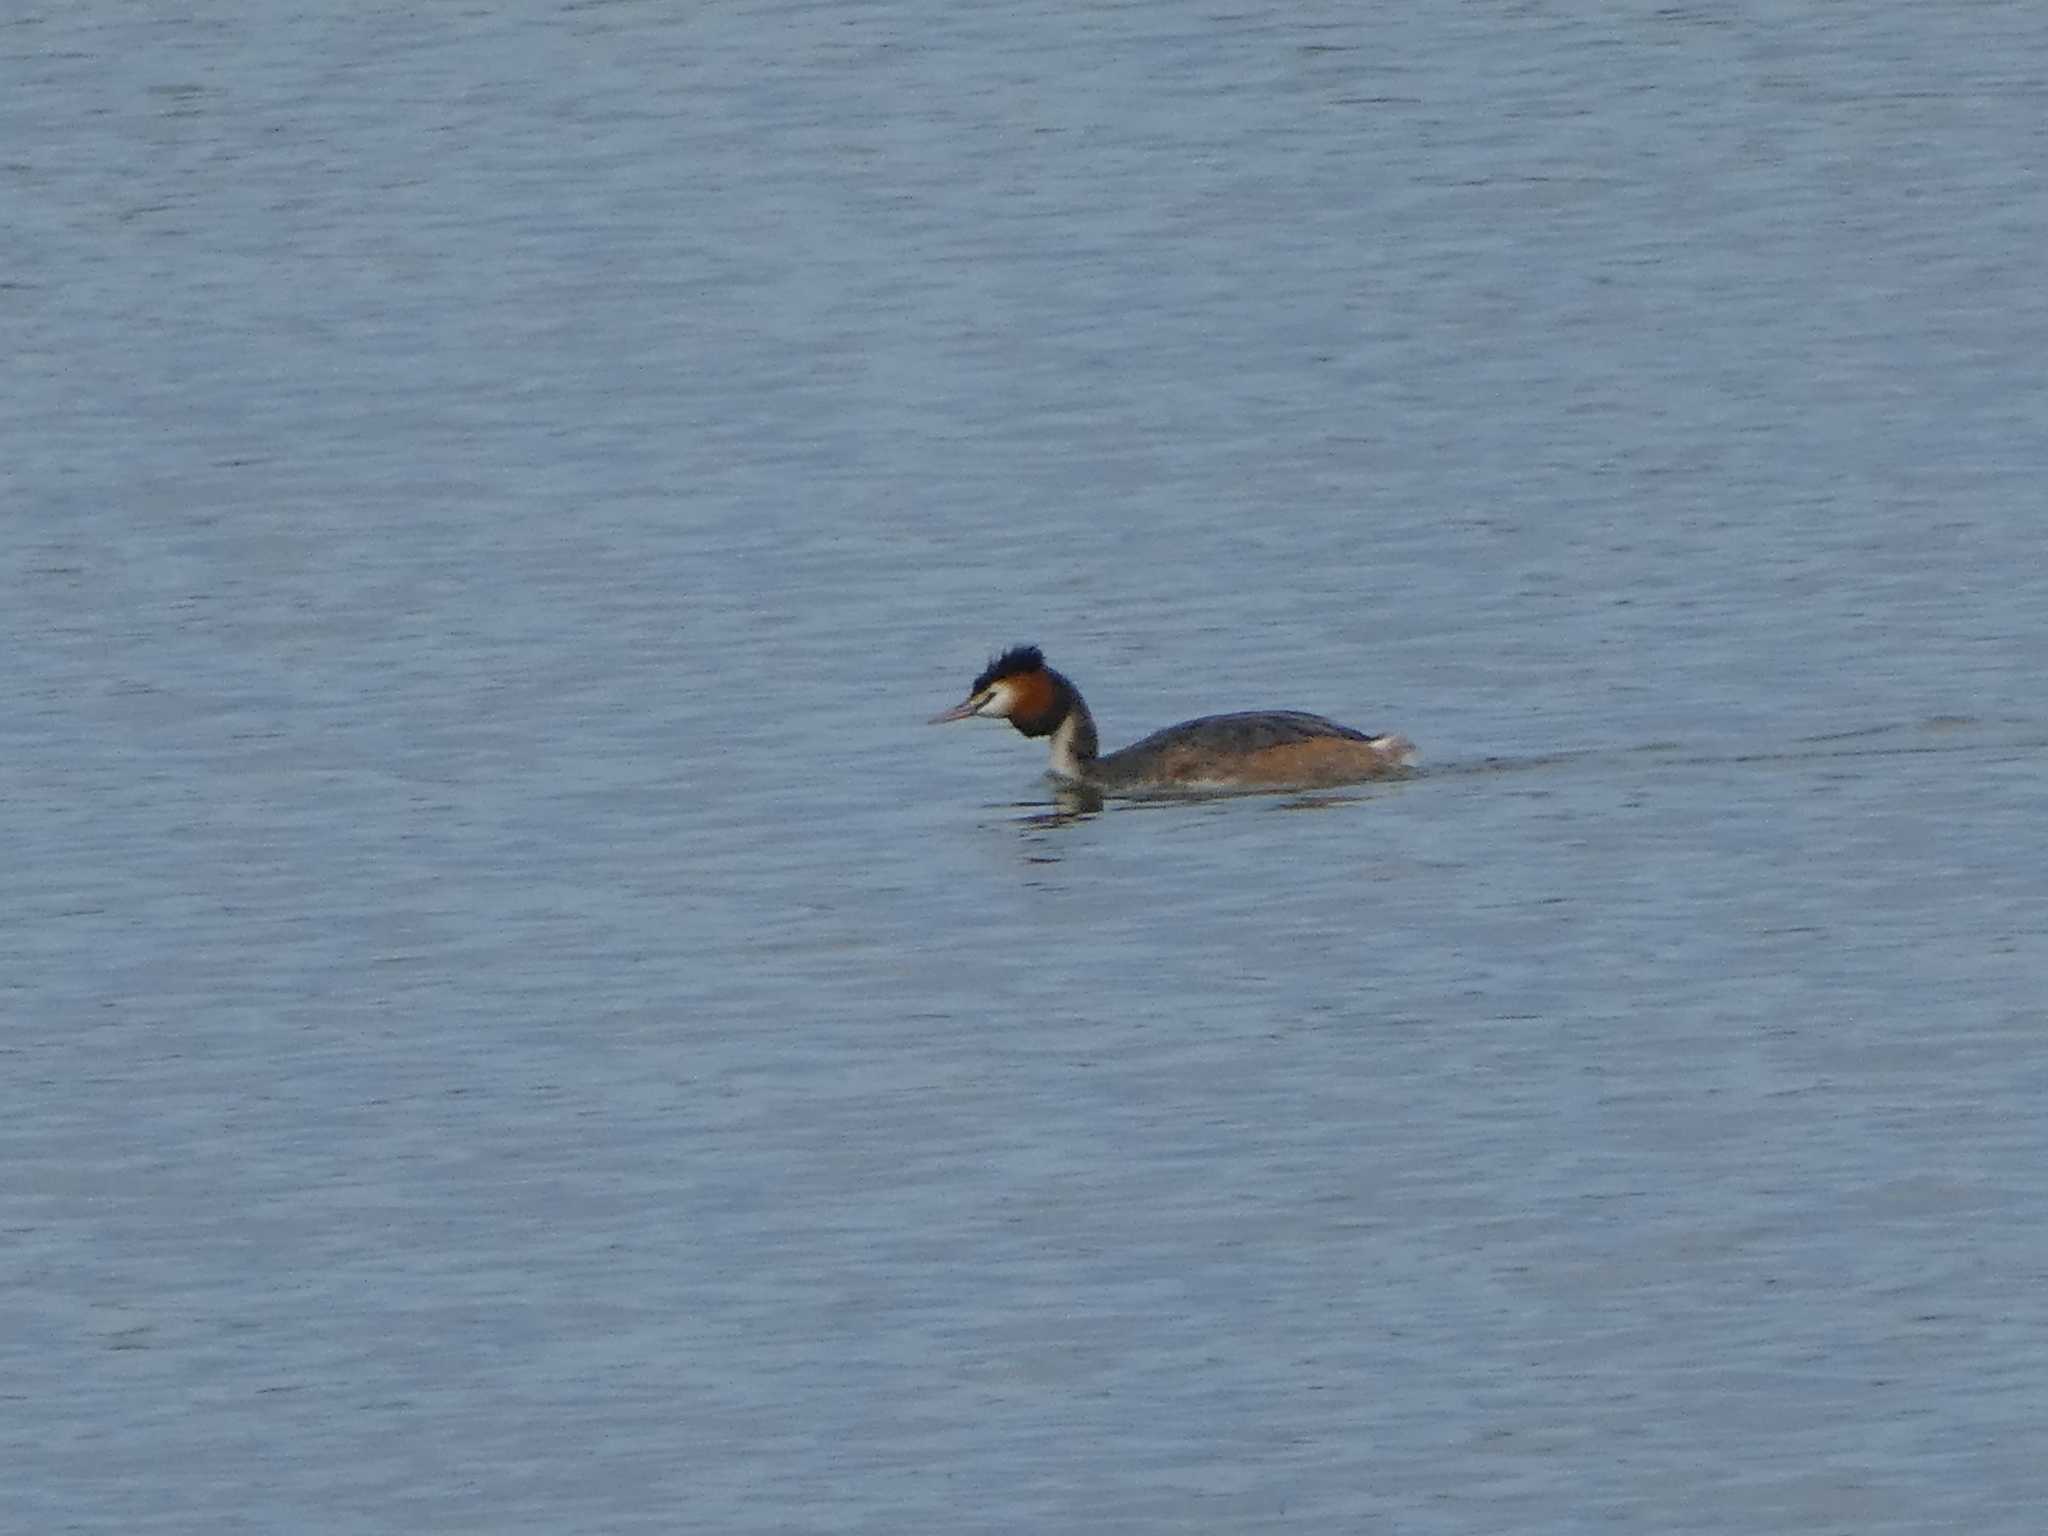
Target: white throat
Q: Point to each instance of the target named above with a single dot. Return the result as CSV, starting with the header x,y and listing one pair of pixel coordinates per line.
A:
x,y
1066,762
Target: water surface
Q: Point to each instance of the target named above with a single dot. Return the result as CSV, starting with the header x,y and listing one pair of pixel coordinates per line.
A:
x,y
511,1023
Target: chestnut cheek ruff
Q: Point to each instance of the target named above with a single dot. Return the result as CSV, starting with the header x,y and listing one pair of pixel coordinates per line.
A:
x,y
1038,705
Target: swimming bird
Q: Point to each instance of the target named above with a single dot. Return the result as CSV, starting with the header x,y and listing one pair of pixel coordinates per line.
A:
x,y
1264,749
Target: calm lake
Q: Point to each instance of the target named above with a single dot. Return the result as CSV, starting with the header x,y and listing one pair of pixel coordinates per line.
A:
x,y
509,1022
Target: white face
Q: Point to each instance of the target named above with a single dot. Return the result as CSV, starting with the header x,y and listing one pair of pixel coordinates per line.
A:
x,y
999,701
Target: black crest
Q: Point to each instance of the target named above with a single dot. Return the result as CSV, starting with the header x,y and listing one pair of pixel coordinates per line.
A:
x,y
1018,658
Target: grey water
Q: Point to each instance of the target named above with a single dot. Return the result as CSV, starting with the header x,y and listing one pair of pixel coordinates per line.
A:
x,y
509,1022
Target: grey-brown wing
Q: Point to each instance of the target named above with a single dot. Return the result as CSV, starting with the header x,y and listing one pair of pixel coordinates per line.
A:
x,y
1253,731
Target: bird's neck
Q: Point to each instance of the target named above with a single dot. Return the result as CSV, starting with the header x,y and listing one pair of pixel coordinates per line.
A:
x,y
1074,743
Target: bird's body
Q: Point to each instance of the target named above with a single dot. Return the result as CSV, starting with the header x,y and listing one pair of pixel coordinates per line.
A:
x,y
1262,749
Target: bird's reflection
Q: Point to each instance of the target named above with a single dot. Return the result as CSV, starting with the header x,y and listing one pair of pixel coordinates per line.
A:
x,y
1070,803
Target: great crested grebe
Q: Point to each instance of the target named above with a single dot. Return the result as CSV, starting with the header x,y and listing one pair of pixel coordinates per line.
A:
x,y
1267,749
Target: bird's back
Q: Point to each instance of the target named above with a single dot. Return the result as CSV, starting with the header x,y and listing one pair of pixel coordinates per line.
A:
x,y
1271,747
